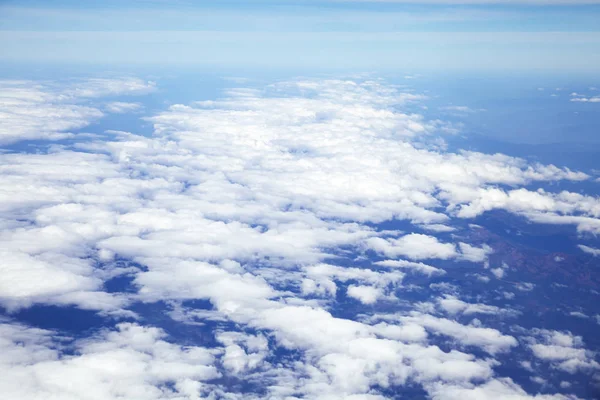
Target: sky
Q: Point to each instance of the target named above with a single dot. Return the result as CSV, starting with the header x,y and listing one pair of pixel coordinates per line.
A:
x,y
521,35
329,200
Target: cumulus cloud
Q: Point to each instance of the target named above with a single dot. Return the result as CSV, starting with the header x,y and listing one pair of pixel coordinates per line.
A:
x,y
495,389
28,113
322,276
131,361
562,350
31,110
530,203
243,352
365,294
474,254
417,246
490,340
498,272
250,202
414,246
453,306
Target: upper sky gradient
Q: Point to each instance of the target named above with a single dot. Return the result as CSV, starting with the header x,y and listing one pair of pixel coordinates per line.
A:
x,y
524,35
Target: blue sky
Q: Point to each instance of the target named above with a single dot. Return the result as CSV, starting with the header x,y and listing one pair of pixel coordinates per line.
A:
x,y
555,36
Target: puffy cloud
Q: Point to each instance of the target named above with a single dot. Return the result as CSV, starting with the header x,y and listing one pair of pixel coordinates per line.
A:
x,y
495,389
403,332
342,346
453,306
417,246
474,254
414,246
322,287
337,155
322,272
26,113
131,361
522,201
563,350
243,352
248,202
30,110
365,294
179,279
490,340
29,278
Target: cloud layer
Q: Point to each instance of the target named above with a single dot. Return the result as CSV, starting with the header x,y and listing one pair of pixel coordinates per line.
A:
x,y
36,110
267,204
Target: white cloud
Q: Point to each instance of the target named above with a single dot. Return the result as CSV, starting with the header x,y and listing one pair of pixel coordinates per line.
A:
x,y
365,294
578,314
179,279
414,246
102,87
247,202
28,278
452,305
490,340
523,201
27,113
121,107
563,350
498,272
590,250
403,332
417,246
416,266
474,254
525,286
321,280
130,362
30,110
438,228
495,389
243,352
586,99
